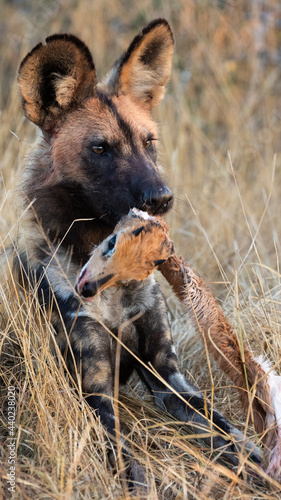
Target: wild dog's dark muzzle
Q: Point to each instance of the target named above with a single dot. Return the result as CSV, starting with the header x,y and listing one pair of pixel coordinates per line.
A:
x,y
157,201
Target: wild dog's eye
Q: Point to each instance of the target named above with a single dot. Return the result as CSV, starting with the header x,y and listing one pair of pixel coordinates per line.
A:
x,y
98,150
148,142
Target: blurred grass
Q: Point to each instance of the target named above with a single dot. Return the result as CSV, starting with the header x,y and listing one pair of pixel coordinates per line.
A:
x,y
224,95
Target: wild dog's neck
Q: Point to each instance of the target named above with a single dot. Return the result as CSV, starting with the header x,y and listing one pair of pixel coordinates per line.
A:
x,y
77,240
86,235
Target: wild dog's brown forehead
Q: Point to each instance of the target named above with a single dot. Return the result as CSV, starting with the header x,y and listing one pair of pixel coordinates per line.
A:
x,y
111,120
135,115
98,119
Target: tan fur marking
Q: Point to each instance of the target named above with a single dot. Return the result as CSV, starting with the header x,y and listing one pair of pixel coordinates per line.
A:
x,y
98,373
143,83
136,115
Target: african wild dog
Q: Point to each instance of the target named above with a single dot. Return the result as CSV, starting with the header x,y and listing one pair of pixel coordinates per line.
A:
x,y
95,159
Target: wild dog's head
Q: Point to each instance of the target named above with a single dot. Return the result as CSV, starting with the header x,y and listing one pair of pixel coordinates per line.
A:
x,y
137,246
102,136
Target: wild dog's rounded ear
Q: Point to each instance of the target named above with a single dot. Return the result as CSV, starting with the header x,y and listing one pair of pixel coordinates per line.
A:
x,y
144,69
55,77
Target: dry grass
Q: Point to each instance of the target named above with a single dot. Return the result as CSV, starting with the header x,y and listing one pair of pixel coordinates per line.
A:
x,y
224,95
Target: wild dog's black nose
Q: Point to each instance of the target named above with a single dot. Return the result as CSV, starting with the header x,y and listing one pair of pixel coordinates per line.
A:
x,y
157,201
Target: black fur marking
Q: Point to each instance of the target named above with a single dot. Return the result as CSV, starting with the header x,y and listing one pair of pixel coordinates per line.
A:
x,y
68,306
20,267
150,54
76,41
122,124
127,366
47,88
103,409
80,356
138,39
172,402
29,277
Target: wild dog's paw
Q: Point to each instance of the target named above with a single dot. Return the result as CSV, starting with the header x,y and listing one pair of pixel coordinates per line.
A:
x,y
136,476
241,445
132,474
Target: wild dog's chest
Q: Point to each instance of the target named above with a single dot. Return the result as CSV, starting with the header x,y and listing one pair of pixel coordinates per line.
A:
x,y
117,305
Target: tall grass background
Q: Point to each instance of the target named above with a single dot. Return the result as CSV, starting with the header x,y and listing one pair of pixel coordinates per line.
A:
x,y
220,143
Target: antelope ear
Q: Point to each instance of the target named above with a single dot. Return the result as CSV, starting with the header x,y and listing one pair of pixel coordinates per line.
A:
x,y
144,69
136,232
54,78
159,262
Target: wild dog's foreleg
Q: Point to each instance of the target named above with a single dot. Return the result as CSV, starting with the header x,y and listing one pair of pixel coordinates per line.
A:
x,y
86,347
84,344
156,348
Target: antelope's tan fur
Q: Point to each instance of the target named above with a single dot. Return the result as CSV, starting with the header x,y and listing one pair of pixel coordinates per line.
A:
x,y
134,257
